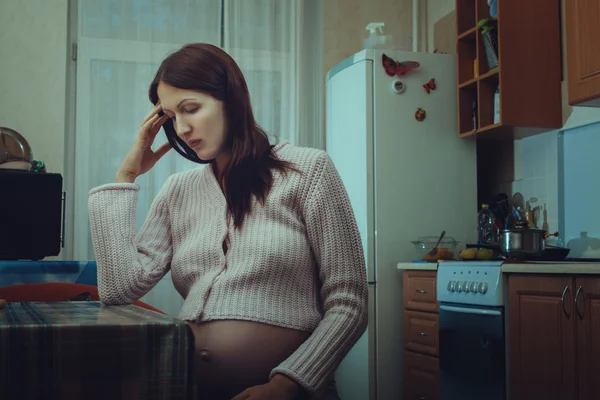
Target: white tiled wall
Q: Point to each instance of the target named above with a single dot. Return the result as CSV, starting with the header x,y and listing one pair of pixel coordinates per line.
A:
x,y
581,190
536,174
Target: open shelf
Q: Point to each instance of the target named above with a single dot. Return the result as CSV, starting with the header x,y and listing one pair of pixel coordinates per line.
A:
x,y
467,101
468,83
483,10
465,15
466,49
475,80
501,129
489,127
482,58
468,13
488,84
490,75
469,35
527,76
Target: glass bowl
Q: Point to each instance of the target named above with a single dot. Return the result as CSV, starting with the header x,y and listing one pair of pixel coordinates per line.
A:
x,y
445,250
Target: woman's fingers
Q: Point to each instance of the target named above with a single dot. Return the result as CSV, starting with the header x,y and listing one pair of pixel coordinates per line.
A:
x,y
151,127
157,124
147,125
152,113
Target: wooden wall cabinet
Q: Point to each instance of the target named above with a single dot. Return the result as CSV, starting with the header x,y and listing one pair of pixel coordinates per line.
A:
x,y
554,337
583,52
421,335
528,75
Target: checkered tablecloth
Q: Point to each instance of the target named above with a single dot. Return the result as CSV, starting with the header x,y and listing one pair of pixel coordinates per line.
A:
x,y
85,350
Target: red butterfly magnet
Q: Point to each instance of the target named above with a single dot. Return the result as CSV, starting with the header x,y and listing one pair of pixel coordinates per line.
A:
x,y
429,86
393,67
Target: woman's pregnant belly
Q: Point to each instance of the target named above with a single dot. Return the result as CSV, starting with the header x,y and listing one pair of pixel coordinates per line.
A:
x,y
231,356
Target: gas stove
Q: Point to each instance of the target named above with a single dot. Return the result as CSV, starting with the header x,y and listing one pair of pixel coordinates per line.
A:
x,y
472,282
472,346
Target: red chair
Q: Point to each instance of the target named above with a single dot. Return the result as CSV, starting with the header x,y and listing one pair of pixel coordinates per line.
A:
x,y
57,291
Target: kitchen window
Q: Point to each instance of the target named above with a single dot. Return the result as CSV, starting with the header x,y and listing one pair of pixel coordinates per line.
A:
x,y
119,45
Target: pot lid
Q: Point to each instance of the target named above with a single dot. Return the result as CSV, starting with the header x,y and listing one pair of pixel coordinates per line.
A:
x,y
522,224
14,149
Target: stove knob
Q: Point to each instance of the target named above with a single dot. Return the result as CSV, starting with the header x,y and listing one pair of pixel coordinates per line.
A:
x,y
460,286
473,287
467,286
451,286
483,287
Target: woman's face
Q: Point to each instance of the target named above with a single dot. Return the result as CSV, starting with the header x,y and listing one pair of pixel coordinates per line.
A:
x,y
198,118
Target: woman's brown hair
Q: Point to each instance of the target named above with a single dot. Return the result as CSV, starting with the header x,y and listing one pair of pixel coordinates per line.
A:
x,y
206,68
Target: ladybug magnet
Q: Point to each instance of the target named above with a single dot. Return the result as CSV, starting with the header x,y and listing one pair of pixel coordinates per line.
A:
x,y
420,115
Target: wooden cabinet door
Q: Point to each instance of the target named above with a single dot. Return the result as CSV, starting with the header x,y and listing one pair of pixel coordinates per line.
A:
x,y
421,332
421,377
583,51
588,337
541,337
419,290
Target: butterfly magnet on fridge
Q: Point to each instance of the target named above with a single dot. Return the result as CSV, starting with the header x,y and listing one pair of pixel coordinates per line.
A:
x,y
399,68
429,86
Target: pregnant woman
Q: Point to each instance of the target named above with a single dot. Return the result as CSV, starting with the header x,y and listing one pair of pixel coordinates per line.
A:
x,y
262,243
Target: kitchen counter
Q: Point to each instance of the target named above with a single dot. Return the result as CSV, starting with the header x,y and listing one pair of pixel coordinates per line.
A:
x,y
553,267
419,266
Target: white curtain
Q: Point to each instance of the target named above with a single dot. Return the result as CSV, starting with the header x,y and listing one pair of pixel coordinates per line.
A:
x,y
122,42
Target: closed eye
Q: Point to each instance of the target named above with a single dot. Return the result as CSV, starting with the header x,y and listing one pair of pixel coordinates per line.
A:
x,y
188,110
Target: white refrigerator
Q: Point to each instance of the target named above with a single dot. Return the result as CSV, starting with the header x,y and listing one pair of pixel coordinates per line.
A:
x,y
407,176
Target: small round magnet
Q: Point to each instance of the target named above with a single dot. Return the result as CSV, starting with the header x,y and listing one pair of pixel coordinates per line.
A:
x,y
398,86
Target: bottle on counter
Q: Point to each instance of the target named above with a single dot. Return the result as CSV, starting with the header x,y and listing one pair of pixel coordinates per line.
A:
x,y
486,228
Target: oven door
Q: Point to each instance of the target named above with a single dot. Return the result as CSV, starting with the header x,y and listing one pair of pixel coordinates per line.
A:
x,y
472,352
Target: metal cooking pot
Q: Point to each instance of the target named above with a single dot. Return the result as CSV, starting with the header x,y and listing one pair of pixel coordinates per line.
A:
x,y
523,242
15,152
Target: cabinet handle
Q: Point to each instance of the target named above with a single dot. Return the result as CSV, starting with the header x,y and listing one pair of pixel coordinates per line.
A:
x,y
63,197
422,333
421,291
562,299
579,290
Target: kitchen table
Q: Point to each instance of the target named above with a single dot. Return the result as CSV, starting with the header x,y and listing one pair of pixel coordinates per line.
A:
x,y
86,350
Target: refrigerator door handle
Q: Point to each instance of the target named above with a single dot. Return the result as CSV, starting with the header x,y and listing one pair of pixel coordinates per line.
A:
x,y
372,342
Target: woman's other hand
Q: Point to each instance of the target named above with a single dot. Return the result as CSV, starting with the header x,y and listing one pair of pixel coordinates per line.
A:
x,y
280,387
141,158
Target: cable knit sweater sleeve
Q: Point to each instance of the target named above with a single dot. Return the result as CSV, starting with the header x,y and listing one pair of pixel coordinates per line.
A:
x,y
129,263
334,237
